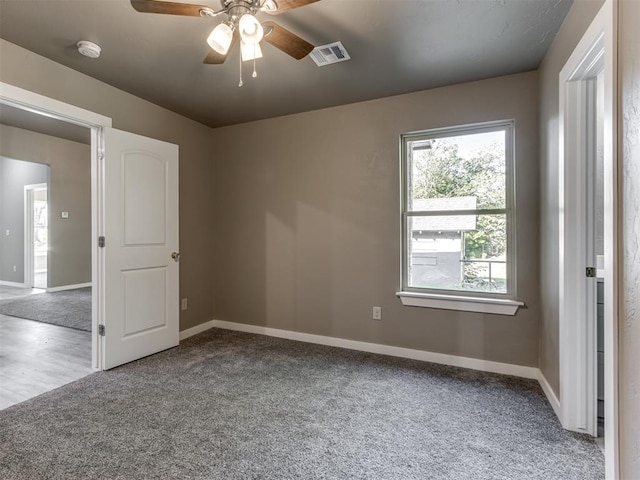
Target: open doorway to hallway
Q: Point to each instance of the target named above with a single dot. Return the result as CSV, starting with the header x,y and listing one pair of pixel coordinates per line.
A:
x,y
588,237
45,254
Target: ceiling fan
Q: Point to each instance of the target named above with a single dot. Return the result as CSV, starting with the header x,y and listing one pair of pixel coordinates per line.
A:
x,y
240,25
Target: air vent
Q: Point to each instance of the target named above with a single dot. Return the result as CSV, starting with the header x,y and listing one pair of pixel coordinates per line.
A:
x,y
330,53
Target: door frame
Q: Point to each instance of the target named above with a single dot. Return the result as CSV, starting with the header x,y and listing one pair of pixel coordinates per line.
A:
x,y
595,53
39,104
29,267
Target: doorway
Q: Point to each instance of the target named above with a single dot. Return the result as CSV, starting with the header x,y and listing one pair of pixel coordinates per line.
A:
x,y
587,186
134,233
45,327
36,245
66,115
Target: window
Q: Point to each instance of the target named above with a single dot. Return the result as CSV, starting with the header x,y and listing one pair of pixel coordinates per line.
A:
x,y
457,214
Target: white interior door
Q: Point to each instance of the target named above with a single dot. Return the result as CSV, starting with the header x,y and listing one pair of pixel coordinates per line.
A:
x,y
141,234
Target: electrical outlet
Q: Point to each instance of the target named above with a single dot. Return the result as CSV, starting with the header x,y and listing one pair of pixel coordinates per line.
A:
x,y
15,269
184,304
7,232
377,313
64,214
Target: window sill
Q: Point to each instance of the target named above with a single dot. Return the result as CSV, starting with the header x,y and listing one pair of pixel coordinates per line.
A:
x,y
496,306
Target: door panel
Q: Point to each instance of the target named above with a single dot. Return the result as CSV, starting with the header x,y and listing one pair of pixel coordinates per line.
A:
x,y
141,232
144,297
144,212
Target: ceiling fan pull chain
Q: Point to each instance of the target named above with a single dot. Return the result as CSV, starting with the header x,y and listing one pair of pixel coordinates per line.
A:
x,y
255,74
241,82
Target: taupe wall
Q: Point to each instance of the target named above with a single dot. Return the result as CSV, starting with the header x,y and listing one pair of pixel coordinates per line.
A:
x,y
32,72
14,175
629,334
579,18
309,222
69,259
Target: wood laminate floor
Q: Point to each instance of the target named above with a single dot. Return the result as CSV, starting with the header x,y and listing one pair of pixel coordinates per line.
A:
x,y
36,357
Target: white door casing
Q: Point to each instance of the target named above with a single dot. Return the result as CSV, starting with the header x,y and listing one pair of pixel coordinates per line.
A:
x,y
29,191
595,53
141,312
39,104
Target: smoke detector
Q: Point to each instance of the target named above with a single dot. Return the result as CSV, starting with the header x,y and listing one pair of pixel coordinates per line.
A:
x,y
89,49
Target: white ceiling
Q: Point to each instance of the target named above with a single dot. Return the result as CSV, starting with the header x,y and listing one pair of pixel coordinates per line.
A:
x,y
397,46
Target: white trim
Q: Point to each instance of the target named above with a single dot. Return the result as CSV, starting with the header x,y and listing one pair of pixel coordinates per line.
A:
x,y
496,306
69,287
509,211
597,49
190,332
549,393
28,251
609,15
12,284
34,102
27,244
578,361
440,358
451,360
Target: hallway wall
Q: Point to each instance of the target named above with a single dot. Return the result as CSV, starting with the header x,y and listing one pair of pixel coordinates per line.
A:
x,y
14,175
69,259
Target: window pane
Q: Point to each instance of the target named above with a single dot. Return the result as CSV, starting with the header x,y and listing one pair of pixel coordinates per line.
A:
x,y
458,252
457,172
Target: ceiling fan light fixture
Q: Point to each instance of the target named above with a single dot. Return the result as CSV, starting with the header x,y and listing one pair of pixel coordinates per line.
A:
x,y
251,30
269,6
220,38
250,51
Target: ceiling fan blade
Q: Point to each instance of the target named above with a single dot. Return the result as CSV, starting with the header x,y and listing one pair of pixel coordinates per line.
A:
x,y
284,5
215,58
170,8
288,42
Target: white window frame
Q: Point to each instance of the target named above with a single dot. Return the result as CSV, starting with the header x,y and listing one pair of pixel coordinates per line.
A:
x,y
474,301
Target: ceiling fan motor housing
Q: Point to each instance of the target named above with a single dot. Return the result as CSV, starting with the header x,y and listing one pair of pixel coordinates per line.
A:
x,y
237,8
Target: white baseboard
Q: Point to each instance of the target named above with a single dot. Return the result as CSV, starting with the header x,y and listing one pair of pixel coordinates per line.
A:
x,y
550,394
190,332
444,359
451,360
12,284
68,287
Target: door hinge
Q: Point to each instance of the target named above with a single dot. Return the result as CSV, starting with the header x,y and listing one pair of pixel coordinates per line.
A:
x,y
591,272
101,330
101,242
100,155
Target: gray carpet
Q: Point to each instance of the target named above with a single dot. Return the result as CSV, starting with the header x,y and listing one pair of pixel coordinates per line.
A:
x,y
228,405
68,308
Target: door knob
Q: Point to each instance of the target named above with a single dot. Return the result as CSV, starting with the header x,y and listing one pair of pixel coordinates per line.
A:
x,y
175,256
